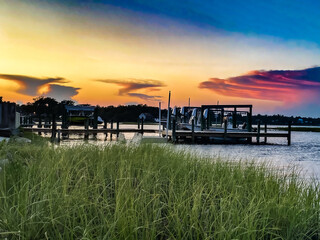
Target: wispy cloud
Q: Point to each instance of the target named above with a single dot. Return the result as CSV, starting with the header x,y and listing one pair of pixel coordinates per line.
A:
x,y
132,84
288,86
34,86
145,96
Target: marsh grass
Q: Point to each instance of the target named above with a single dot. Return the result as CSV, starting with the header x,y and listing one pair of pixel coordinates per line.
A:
x,y
148,192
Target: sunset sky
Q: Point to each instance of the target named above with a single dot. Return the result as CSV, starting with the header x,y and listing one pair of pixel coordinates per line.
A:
x,y
265,53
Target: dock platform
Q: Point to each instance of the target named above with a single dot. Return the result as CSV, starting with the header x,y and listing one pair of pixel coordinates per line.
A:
x,y
180,136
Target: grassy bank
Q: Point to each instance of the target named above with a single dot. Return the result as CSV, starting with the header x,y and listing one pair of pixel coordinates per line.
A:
x,y
147,192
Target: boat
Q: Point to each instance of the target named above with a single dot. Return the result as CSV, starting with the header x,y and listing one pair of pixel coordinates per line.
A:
x,y
215,118
81,114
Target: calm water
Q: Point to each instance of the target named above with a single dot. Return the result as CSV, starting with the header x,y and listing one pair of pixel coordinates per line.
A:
x,y
304,152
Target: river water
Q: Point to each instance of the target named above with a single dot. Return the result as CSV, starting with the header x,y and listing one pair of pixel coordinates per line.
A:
x,y
303,154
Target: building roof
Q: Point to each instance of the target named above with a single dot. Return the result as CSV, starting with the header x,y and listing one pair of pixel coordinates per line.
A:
x,y
80,108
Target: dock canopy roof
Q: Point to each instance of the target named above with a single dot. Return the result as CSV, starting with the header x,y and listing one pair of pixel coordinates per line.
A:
x,y
226,106
80,108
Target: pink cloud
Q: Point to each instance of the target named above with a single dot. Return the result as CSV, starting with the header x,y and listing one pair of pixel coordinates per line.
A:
x,y
287,86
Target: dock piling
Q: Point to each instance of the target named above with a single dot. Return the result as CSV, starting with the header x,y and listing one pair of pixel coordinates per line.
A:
x,y
54,127
86,126
174,131
289,133
192,131
225,129
142,126
39,124
258,131
59,135
117,130
265,131
111,127
159,119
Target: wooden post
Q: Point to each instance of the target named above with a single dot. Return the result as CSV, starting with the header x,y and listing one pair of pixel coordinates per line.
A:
x,y
105,125
95,121
168,115
159,119
202,119
40,121
86,126
117,129
59,135
138,123
174,131
258,136
39,124
225,129
170,118
222,115
265,131
54,127
142,126
64,121
234,118
250,120
289,133
111,127
208,120
95,118
192,131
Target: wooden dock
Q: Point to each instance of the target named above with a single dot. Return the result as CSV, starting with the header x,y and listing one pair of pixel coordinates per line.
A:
x,y
223,136
174,135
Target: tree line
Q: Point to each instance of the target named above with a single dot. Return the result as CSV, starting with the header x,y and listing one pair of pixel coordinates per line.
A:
x,y
47,106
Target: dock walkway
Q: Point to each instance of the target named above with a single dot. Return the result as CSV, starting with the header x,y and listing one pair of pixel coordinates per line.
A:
x,y
226,137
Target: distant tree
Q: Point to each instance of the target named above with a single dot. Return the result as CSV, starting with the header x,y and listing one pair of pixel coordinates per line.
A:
x,y
67,102
0,99
45,105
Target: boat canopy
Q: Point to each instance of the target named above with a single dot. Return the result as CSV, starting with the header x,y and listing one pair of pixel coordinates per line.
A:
x,y
80,108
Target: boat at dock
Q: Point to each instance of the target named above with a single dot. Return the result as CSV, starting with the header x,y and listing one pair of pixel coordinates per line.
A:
x,y
81,115
215,119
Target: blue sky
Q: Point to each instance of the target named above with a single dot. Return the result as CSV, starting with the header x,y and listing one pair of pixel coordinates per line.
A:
x,y
285,19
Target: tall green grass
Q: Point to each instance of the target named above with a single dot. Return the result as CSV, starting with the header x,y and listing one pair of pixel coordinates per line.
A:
x,y
148,192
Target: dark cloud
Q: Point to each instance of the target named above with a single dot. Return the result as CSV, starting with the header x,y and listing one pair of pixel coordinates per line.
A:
x,y
145,96
30,85
61,92
289,86
132,84
34,86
